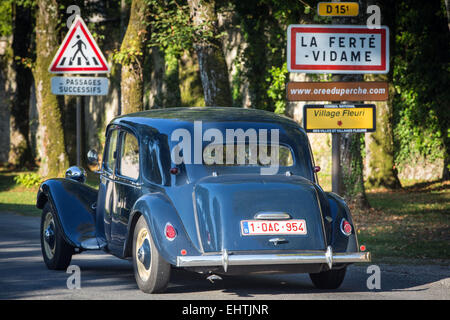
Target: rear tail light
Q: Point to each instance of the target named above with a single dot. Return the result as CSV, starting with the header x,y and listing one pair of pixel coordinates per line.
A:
x,y
346,227
170,232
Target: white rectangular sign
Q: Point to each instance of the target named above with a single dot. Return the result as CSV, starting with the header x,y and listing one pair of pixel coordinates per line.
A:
x,y
337,49
80,86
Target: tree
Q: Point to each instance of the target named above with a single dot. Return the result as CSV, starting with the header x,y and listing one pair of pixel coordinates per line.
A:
x,y
380,153
380,160
21,152
420,73
54,158
213,68
131,56
351,162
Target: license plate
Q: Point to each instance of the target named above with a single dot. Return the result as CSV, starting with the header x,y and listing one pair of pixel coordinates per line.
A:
x,y
258,227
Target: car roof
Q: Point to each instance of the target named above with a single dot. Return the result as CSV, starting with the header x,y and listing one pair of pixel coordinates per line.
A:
x,y
163,117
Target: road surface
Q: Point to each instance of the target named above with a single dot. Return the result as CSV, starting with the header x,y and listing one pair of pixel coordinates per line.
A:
x,y
23,275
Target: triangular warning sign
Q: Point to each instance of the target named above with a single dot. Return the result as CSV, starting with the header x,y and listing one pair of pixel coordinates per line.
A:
x,y
79,52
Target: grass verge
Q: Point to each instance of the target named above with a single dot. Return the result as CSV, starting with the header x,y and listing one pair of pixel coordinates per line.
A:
x,y
412,223
20,199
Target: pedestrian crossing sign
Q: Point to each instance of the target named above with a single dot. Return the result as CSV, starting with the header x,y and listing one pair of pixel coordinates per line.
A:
x,y
79,52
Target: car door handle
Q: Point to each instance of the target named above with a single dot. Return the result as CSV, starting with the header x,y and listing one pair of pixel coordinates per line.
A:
x,y
276,241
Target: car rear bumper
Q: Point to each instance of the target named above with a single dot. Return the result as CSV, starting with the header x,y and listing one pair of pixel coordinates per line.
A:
x,y
319,257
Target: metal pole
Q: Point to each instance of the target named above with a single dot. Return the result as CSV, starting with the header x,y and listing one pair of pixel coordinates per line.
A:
x,y
78,131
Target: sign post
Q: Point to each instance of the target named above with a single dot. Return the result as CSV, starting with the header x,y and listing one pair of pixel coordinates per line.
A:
x,y
79,54
338,49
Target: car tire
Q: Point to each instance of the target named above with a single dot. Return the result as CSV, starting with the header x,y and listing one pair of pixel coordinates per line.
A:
x,y
151,271
57,253
331,279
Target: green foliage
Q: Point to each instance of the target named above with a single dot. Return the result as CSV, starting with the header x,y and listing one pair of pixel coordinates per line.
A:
x,y
172,27
421,78
5,18
236,83
128,55
277,88
28,179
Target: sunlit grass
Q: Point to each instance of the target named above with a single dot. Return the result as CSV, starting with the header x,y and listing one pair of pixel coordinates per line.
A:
x,y
410,223
16,198
20,199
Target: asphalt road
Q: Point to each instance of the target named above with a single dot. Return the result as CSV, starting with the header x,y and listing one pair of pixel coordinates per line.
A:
x,y
23,275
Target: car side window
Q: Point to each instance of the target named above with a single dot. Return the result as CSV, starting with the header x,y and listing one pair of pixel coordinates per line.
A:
x,y
129,156
152,165
111,155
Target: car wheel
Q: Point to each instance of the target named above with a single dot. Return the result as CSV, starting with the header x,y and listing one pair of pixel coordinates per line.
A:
x,y
151,271
331,279
57,253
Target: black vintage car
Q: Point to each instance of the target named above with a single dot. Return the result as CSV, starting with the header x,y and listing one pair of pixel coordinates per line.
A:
x,y
212,190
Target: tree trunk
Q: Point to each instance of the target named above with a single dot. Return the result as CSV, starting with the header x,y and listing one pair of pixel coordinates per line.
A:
x,y
446,170
134,42
447,9
54,159
213,68
380,165
21,151
351,162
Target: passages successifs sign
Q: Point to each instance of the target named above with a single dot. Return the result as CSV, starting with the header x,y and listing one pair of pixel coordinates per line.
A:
x,y
337,49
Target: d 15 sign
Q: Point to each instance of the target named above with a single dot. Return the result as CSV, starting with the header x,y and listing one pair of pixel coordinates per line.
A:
x,y
332,9
337,49
339,118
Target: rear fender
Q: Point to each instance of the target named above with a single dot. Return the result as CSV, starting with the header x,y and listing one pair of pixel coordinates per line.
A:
x,y
339,210
73,204
158,211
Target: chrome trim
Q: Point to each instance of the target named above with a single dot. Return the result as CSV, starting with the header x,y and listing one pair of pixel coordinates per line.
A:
x,y
226,259
272,216
76,173
276,241
329,256
120,179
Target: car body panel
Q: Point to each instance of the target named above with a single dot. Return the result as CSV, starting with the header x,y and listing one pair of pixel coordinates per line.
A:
x,y
223,202
74,205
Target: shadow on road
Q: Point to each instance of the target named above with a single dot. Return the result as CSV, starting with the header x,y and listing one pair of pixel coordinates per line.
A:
x,y
24,275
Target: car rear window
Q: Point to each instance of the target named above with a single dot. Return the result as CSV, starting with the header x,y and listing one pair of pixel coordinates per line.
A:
x,y
247,155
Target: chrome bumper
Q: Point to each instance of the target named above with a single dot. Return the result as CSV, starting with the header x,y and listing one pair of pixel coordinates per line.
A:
x,y
226,259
